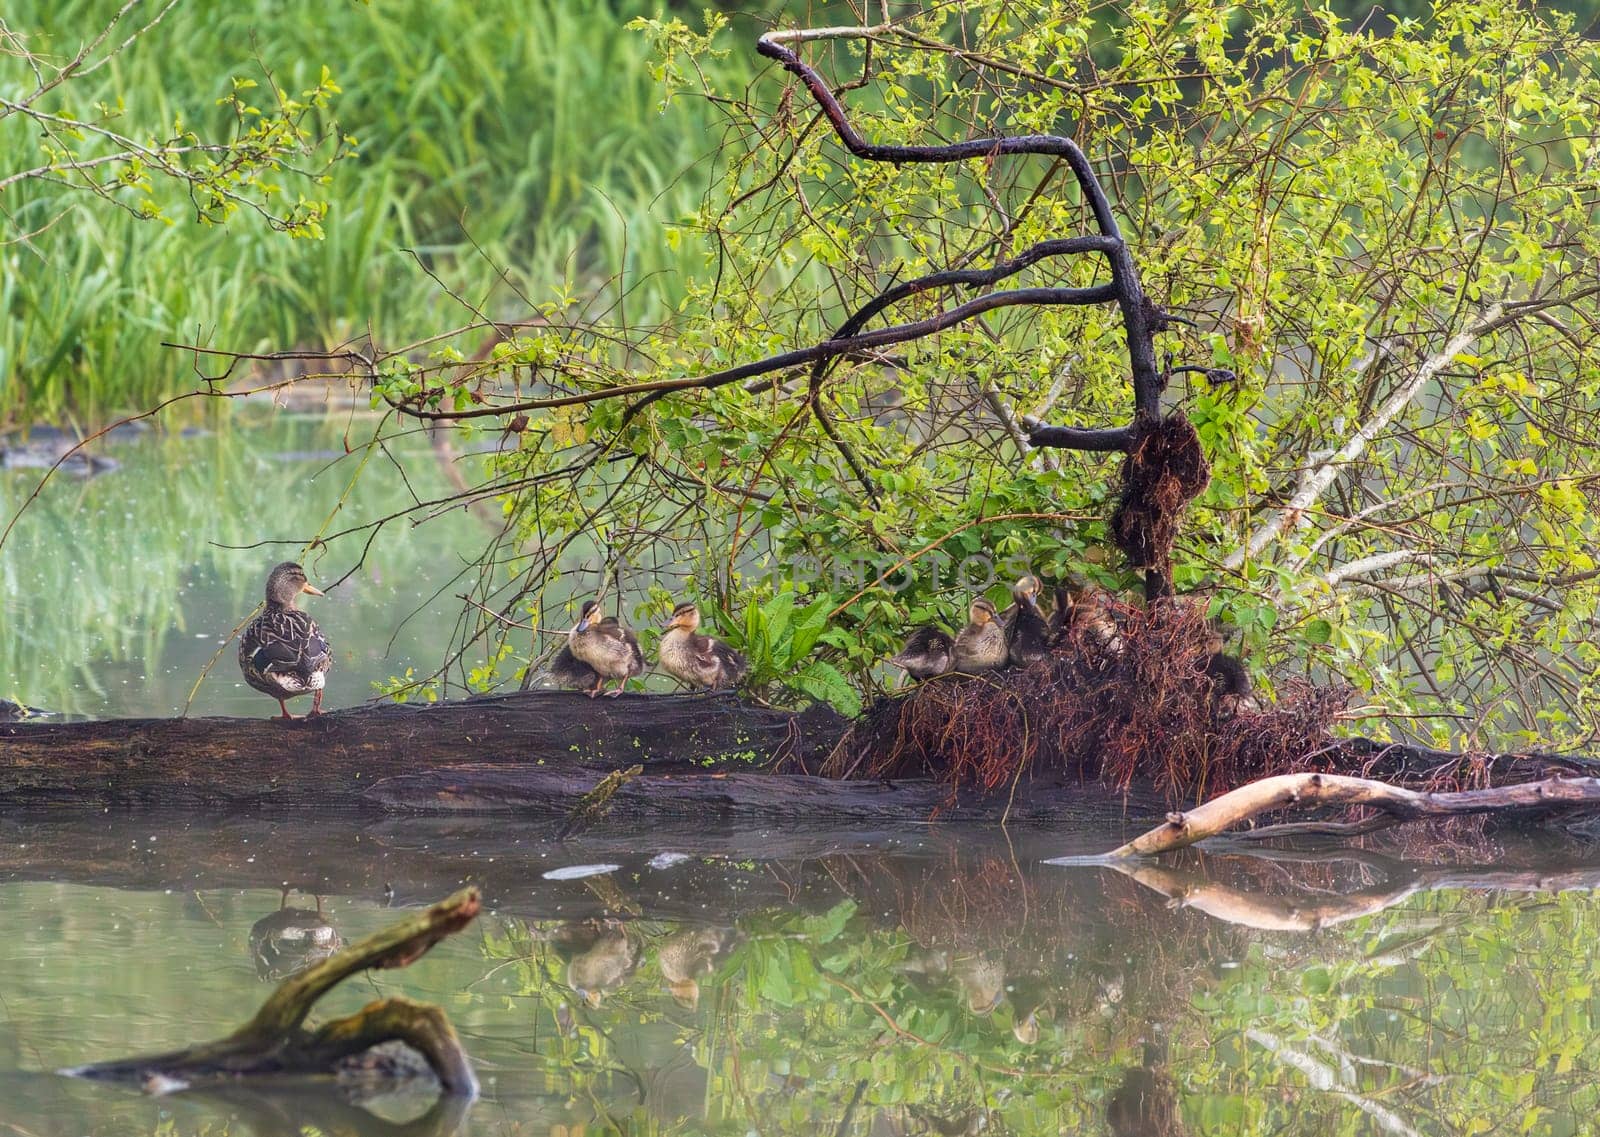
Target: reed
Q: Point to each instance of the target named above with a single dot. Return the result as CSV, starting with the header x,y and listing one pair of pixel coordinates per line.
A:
x,y
508,148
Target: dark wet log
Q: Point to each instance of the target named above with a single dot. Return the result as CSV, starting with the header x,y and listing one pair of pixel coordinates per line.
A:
x,y
544,791
330,762
276,1041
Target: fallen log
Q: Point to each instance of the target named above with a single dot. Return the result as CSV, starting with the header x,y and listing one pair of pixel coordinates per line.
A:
x,y
1524,800
329,762
276,1041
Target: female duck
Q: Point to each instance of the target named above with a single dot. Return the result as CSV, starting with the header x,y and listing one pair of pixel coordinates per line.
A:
x,y
981,645
608,648
282,652
926,654
698,660
1027,631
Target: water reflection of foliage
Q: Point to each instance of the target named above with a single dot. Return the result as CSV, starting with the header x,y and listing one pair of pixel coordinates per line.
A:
x,y
101,579
900,1013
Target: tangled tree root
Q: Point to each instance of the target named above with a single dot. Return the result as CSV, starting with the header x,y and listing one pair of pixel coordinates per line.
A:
x,y
1165,470
1143,710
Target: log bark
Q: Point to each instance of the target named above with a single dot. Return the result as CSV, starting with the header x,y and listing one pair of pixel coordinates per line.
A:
x,y
331,762
276,1042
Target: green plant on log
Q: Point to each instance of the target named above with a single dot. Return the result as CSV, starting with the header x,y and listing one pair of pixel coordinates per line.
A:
x,y
1384,230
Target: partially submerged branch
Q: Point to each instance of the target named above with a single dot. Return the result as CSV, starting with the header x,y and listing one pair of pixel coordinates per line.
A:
x,y
275,1041
1181,830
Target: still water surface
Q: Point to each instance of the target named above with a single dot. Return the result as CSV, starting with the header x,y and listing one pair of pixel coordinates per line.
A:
x,y
899,982
919,981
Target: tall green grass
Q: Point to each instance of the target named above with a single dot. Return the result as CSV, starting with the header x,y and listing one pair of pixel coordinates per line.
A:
x,y
535,128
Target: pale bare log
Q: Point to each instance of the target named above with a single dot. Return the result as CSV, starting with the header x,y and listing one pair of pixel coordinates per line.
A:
x,y
1181,830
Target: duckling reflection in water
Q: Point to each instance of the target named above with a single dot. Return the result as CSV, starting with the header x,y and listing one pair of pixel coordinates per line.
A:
x,y
690,955
697,659
981,645
1028,633
16,712
982,981
600,955
927,653
1029,995
286,942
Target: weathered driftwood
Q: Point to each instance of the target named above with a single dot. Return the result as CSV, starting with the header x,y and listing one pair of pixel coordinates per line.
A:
x,y
1528,799
276,1041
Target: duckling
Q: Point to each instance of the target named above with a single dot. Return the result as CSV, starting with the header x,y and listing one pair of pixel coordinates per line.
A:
x,y
608,648
926,654
282,651
569,671
1230,679
1081,615
697,660
1027,632
981,645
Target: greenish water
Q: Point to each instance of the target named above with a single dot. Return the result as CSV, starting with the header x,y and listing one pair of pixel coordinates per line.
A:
x,y
891,983
118,591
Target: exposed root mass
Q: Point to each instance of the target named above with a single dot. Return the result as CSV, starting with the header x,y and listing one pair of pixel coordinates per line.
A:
x,y
1142,709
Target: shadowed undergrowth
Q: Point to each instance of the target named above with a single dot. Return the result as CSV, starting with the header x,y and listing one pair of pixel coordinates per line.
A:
x,y
1145,712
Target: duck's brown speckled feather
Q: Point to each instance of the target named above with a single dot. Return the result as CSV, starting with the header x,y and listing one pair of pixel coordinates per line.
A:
x,y
283,653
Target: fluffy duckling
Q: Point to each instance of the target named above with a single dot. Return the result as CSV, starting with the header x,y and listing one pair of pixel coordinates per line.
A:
x,y
282,651
696,659
569,671
926,654
1028,633
981,645
1081,615
608,648
1230,679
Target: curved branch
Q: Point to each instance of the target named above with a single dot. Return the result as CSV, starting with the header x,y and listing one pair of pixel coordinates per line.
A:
x,y
1139,320
1184,829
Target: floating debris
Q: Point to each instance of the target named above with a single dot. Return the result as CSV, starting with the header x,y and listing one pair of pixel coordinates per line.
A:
x,y
578,872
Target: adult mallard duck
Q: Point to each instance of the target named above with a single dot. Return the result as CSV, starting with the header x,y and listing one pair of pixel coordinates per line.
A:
x,y
926,654
698,660
607,647
1028,633
282,652
981,645
286,942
